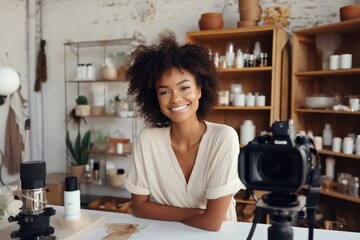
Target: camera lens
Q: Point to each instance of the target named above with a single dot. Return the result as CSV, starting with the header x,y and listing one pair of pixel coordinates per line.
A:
x,y
277,166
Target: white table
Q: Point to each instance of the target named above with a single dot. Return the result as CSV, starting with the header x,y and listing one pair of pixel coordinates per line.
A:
x,y
177,231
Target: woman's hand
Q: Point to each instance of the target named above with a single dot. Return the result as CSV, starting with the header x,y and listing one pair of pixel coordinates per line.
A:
x,y
209,219
213,216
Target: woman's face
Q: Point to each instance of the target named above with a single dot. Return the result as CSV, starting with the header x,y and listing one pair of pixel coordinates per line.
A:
x,y
178,95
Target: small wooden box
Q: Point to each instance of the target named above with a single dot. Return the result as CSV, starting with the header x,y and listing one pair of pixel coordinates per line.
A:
x,y
55,187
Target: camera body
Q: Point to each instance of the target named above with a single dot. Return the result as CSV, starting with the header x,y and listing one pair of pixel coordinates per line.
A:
x,y
280,162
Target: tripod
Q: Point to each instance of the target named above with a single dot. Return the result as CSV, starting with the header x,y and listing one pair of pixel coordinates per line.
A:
x,y
280,210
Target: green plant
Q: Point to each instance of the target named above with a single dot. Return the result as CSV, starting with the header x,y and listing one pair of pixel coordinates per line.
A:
x,y
82,100
79,151
117,98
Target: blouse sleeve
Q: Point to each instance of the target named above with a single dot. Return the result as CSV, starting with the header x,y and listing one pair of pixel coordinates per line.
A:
x,y
135,181
224,178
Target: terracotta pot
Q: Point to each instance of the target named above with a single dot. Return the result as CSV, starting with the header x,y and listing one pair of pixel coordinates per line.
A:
x,y
77,171
108,73
82,110
350,12
210,21
248,3
247,23
250,13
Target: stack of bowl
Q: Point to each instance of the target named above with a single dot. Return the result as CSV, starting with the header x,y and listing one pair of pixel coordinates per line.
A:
x,y
250,13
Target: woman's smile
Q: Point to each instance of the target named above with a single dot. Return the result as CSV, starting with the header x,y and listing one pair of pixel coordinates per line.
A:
x,y
180,108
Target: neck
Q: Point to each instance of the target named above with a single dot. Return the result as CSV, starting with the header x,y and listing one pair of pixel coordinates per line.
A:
x,y
187,134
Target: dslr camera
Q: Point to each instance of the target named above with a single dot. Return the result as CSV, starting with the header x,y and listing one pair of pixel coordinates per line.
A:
x,y
282,163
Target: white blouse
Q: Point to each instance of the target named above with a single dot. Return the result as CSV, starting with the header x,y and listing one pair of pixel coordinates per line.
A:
x,y
155,170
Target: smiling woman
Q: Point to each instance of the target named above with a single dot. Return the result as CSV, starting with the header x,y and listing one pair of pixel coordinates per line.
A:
x,y
175,87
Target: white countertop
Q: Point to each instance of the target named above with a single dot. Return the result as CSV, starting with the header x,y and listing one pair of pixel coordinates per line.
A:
x,y
178,231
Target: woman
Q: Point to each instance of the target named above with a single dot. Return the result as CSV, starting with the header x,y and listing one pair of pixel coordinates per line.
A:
x,y
184,168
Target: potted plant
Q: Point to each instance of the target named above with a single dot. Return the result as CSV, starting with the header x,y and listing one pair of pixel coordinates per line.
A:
x,y
82,108
79,152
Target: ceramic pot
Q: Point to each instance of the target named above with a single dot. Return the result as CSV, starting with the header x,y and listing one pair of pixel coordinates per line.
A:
x,y
77,171
82,110
211,21
108,73
350,12
249,23
248,3
250,13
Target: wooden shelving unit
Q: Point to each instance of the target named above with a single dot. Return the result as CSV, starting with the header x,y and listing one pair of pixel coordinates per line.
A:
x,y
308,79
270,80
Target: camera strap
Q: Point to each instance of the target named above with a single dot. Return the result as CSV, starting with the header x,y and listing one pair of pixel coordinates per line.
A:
x,y
312,198
255,222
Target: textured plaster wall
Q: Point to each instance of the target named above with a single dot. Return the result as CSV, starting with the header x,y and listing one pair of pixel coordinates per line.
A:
x,y
13,43
83,20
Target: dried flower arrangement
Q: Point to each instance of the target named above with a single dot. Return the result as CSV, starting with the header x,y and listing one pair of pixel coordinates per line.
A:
x,y
277,15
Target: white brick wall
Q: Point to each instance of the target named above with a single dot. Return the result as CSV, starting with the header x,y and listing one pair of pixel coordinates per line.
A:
x,y
81,20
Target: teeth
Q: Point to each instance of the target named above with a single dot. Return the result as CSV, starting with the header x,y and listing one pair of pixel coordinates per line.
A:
x,y
179,108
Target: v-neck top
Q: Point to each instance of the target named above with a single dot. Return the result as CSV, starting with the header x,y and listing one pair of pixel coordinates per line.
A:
x,y
155,170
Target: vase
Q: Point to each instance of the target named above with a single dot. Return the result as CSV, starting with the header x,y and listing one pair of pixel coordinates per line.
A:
x,y
209,21
82,110
77,171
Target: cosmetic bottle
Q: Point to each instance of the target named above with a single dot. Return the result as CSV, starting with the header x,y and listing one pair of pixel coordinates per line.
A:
x,y
71,199
96,171
239,60
217,60
230,55
327,135
87,174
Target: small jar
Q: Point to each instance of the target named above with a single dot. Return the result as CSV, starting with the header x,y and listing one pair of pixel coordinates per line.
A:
x,y
348,145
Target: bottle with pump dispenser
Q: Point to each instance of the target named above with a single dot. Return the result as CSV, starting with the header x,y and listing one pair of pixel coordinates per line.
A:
x,y
230,55
327,135
239,60
72,208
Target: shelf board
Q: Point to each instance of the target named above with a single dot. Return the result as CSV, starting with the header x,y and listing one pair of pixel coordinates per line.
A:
x,y
225,34
94,81
106,153
325,111
246,69
102,43
338,154
349,26
325,73
241,108
340,196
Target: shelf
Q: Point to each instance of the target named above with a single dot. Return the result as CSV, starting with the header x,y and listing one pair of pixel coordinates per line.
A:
x,y
94,81
106,153
249,32
245,70
325,111
343,27
326,73
338,154
234,108
340,196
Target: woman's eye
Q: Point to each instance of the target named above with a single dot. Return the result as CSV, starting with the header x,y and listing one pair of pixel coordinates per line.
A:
x,y
184,88
163,92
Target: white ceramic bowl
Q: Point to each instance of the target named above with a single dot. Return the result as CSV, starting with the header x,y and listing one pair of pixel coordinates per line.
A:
x,y
319,101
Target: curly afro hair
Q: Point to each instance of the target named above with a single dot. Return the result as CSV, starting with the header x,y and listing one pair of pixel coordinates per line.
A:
x,y
149,62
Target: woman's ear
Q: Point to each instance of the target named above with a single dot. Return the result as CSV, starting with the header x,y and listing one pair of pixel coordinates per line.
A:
x,y
199,92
